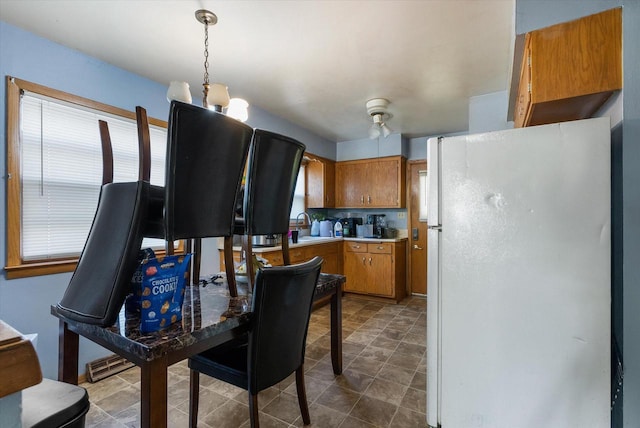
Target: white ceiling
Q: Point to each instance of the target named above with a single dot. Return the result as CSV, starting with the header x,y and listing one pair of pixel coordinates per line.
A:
x,y
314,63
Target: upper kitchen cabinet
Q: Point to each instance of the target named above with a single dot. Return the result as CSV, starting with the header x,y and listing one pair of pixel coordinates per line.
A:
x,y
569,70
371,183
321,174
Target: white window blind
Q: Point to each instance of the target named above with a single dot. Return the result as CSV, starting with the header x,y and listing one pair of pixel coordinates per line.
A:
x,y
61,167
298,195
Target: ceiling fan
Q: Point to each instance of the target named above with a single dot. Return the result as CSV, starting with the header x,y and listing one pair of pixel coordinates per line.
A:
x,y
377,109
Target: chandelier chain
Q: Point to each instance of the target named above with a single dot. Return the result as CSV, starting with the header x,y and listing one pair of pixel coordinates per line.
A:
x,y
206,53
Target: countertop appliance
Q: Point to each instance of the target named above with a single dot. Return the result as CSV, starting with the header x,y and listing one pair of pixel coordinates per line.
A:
x,y
519,278
265,240
349,226
378,222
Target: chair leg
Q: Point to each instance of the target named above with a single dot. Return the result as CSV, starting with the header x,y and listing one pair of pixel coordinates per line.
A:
x,y
302,395
194,397
253,410
248,254
229,267
285,249
197,255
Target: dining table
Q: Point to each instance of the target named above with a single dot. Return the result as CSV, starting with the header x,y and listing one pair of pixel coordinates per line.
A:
x,y
210,316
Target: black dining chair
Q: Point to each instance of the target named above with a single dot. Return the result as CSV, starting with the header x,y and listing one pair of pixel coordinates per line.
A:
x,y
103,274
272,173
205,161
274,346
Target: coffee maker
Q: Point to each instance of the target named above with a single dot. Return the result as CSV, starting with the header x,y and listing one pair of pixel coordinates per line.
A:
x,y
349,226
379,224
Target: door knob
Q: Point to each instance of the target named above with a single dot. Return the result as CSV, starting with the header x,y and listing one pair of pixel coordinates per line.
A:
x,y
415,247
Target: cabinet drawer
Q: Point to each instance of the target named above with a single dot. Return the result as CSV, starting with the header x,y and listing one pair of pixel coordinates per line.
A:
x,y
355,247
379,248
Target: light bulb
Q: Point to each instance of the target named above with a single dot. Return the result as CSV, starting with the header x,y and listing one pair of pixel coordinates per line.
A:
x,y
374,131
386,131
238,109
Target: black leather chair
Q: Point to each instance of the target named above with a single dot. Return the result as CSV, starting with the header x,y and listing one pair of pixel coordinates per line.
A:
x,y
53,404
103,274
275,344
272,172
205,161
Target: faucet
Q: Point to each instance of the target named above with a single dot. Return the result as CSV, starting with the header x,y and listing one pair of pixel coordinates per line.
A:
x,y
305,215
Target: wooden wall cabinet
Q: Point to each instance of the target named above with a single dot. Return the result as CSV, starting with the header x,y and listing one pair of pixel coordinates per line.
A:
x,y
320,182
569,70
376,269
371,183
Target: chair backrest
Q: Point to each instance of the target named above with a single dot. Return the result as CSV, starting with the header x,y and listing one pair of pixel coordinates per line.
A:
x,y
206,156
102,278
282,301
274,162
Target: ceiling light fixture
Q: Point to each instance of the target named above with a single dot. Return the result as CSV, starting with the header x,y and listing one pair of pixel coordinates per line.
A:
x,y
377,109
215,95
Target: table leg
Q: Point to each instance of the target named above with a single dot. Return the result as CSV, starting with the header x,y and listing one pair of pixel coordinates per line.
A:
x,y
153,394
68,343
336,330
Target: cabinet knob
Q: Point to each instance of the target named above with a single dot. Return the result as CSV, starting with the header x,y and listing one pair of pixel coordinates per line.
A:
x,y
416,247
364,262
369,261
380,247
356,246
362,199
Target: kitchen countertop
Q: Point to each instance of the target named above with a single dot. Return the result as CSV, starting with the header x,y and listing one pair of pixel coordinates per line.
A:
x,y
307,241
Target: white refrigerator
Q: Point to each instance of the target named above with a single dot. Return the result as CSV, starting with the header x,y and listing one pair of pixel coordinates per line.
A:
x,y
518,299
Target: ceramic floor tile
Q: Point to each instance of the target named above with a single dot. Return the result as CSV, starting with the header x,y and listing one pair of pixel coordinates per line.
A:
x,y
340,399
230,415
384,363
406,418
376,412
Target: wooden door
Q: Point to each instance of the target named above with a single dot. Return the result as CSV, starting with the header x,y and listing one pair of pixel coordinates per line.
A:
x,y
417,231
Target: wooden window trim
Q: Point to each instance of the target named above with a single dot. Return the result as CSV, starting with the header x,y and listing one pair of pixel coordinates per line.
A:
x,y
15,266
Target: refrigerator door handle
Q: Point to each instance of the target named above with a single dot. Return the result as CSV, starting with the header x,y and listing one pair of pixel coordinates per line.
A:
x,y
438,228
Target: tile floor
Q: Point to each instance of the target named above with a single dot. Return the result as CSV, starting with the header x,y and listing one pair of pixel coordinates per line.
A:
x,y
382,385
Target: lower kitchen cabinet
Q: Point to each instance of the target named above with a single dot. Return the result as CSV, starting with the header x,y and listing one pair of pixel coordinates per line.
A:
x,y
331,252
376,269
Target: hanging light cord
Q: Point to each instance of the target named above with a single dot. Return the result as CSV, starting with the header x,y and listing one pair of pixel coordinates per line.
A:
x,y
206,52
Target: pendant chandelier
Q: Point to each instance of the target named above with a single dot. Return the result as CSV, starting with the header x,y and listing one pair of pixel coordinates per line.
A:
x,y
215,95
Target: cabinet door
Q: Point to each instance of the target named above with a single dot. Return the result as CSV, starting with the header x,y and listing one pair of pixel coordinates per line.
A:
x,y
383,178
273,257
329,184
297,255
350,184
355,269
330,253
380,273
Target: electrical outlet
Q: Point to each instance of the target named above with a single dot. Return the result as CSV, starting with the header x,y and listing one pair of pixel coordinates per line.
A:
x,y
402,214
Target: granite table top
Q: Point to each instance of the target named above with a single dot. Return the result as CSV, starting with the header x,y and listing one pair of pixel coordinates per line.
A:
x,y
207,312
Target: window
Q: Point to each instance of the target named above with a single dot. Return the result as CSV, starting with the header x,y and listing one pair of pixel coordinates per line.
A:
x,y
55,173
298,205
